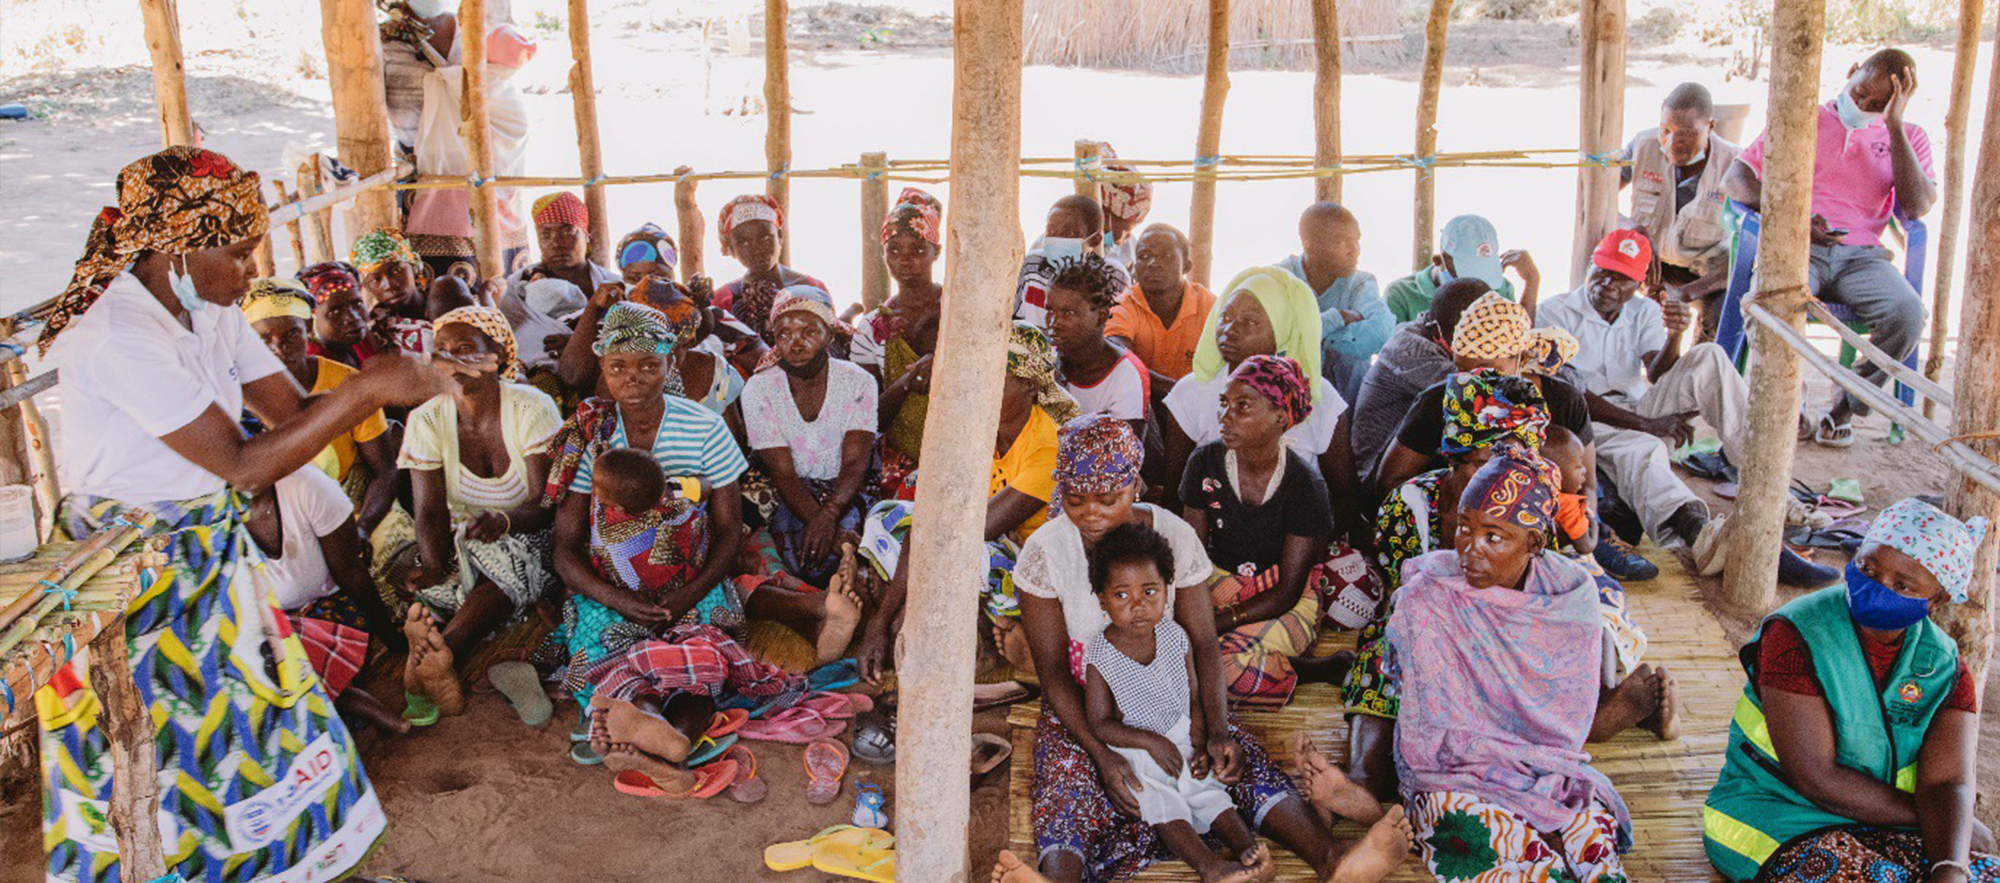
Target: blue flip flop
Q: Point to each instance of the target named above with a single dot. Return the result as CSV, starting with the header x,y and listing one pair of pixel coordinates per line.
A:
x,y
707,749
834,675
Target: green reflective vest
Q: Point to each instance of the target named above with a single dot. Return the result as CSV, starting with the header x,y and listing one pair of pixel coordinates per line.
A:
x,y
1752,810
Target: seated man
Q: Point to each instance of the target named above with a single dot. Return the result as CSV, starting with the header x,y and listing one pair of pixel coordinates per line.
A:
x,y
1468,247
1075,226
1870,165
1160,317
1354,321
1416,358
1643,391
562,228
1676,178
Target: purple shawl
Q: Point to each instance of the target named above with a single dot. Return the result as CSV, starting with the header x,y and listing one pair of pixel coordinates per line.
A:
x,y
1499,688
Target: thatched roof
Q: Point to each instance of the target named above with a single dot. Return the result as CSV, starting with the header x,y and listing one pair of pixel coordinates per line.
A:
x,y
1172,34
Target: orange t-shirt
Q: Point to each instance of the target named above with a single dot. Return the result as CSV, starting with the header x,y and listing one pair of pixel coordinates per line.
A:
x,y
1571,518
1167,348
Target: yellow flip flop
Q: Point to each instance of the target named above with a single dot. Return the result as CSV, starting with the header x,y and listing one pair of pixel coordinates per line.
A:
x,y
795,854
871,857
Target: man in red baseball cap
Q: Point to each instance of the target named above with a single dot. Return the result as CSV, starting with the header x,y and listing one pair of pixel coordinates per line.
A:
x,y
1644,394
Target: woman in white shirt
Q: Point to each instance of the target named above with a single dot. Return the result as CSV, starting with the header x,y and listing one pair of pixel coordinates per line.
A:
x,y
157,366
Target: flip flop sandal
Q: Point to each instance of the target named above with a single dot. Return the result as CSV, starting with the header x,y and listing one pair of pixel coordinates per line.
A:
x,y
420,711
583,755
875,738
707,749
868,811
746,787
826,765
709,781
1728,490
727,721
834,675
581,732
870,858
1834,435
792,855
1846,490
793,726
989,752
837,706
1831,538
522,686
985,696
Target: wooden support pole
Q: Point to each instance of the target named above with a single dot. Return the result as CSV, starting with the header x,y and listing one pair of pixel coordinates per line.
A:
x,y
1976,394
1326,96
1756,529
778,114
135,786
163,40
1600,127
874,209
1208,141
1089,153
319,224
1428,88
292,226
1955,136
360,106
589,149
476,130
940,629
687,212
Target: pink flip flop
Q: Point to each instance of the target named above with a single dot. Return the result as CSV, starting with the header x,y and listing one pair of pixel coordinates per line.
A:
x,y
793,726
709,781
727,721
746,787
826,763
836,706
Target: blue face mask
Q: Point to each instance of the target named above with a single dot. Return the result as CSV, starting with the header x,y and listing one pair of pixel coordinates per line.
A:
x,y
1851,114
184,290
1061,248
1876,606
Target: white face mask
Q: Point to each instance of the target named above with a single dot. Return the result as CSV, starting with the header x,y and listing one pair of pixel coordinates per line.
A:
x,y
183,286
1851,114
1062,248
431,8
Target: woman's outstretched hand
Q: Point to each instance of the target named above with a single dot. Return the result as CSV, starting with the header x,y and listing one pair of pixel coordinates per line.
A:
x,y
403,381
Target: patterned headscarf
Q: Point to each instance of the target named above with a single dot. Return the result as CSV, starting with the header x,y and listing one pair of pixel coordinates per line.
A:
x,y
1944,545
1517,486
179,200
1279,379
269,298
493,324
648,243
1125,200
560,209
1482,407
744,209
1031,357
629,327
1497,328
917,213
1295,323
807,299
380,247
1096,454
330,277
1549,349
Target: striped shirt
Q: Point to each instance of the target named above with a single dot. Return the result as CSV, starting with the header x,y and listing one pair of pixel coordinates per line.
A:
x,y
692,441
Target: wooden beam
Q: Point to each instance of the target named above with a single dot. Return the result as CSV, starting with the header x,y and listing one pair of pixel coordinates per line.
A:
x,y
1976,393
1326,96
1088,157
319,224
778,114
874,210
163,41
476,130
1208,141
292,226
687,212
1955,135
360,106
128,731
589,149
1756,530
1601,124
1428,89
940,628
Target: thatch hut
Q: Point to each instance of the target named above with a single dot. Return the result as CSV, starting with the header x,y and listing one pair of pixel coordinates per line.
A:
x,y
1173,34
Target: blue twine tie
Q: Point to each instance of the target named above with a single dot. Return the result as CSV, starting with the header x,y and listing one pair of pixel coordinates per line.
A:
x,y
782,170
55,588
476,181
1207,162
1088,168
1602,159
14,348
7,692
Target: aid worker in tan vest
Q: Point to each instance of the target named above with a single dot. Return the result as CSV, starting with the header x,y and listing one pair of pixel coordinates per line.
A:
x,y
1676,179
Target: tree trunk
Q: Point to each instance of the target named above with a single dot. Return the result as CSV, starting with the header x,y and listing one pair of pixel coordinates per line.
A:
x,y
163,41
1601,128
360,106
1955,134
1428,87
778,115
1208,141
1326,97
589,153
874,210
476,129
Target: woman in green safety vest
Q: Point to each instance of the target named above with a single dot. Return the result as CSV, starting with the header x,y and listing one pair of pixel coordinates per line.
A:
x,y
1851,753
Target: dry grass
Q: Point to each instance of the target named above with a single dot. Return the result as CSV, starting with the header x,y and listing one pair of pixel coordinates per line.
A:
x,y
1173,34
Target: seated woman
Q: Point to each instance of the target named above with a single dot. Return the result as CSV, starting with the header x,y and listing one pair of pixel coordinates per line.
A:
x,y
812,424
1033,406
1495,644
392,285
1261,510
478,459
751,227
1851,754
340,319
702,375
894,341
281,313
1102,376
1264,311
1086,814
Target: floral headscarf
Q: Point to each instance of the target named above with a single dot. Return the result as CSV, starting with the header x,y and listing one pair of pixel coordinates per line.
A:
x,y
648,243
380,247
744,209
561,209
807,299
179,200
1295,323
330,277
269,298
1031,357
493,324
1482,407
1279,379
629,327
1517,486
917,213
1944,545
1096,454
1549,349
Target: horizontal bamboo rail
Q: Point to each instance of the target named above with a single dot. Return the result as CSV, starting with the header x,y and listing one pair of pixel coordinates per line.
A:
x,y
1903,373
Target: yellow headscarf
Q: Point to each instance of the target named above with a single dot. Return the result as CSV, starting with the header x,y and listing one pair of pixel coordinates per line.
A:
x,y
272,297
1295,322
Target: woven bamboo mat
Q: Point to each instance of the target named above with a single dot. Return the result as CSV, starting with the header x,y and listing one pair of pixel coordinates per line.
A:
x,y
1664,783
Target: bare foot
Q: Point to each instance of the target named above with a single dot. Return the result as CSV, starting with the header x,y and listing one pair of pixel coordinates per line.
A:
x,y
625,722
843,611
1665,721
416,622
1379,853
1008,868
1232,872
1258,860
1329,789
430,671
1632,701
622,756
1012,640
